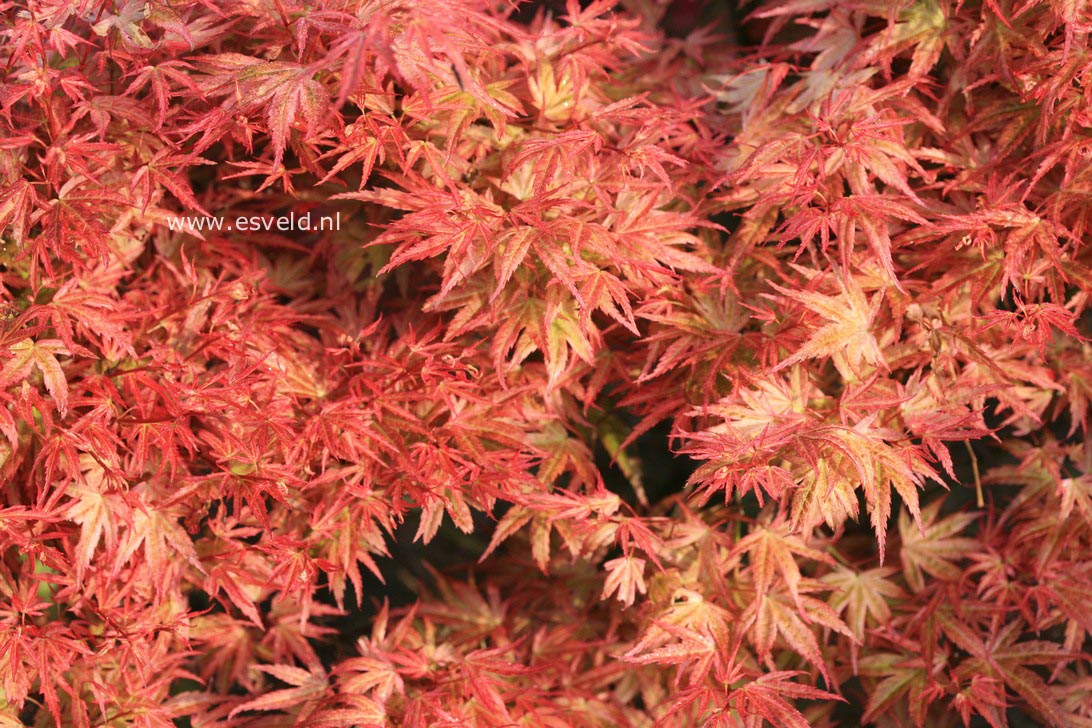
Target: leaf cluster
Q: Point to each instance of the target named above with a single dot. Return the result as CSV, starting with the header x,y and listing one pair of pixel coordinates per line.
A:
x,y
840,252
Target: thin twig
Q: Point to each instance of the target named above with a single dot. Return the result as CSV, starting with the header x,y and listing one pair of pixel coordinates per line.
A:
x,y
977,478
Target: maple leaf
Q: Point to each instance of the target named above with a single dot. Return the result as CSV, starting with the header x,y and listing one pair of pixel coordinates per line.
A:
x,y
863,596
127,22
984,696
154,528
95,510
625,575
159,77
882,467
905,676
74,307
29,355
1034,323
157,173
848,337
772,553
353,710
16,205
287,90
1006,658
689,631
766,695
308,687
772,616
935,548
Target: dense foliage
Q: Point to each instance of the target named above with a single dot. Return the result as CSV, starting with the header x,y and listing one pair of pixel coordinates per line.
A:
x,y
834,256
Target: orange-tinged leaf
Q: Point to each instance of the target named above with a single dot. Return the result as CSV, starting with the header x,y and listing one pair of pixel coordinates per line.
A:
x,y
625,575
936,549
28,355
849,333
882,466
92,508
772,553
766,696
863,597
903,678
309,686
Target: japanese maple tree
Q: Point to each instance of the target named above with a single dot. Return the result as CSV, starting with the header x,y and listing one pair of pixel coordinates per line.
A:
x,y
670,364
